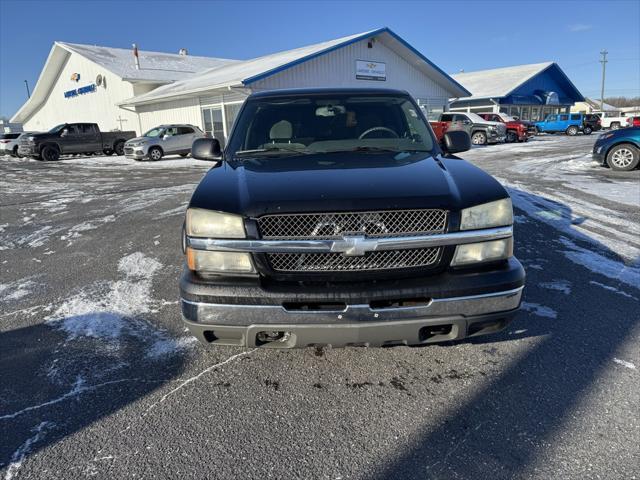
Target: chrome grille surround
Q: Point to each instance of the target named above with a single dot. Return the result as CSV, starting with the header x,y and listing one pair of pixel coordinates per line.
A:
x,y
339,225
337,262
373,224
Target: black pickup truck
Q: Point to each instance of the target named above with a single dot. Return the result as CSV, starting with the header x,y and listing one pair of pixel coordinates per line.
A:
x,y
72,138
334,217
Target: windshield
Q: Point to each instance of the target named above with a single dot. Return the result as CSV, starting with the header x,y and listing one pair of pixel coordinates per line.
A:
x,y
507,118
56,128
298,125
154,132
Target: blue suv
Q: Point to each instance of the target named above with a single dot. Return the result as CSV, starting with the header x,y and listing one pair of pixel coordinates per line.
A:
x,y
569,123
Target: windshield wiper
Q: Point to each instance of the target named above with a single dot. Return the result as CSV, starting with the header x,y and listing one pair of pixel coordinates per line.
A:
x,y
364,148
274,149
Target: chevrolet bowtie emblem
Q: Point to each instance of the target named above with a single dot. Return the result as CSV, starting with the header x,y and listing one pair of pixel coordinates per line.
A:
x,y
354,246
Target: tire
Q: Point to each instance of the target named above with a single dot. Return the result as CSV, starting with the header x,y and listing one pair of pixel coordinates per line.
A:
x,y
572,131
615,125
119,148
108,152
623,157
155,154
183,155
50,154
512,137
15,152
587,130
479,138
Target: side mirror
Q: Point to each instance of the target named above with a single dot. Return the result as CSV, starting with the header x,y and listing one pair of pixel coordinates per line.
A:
x,y
206,149
64,133
165,136
456,141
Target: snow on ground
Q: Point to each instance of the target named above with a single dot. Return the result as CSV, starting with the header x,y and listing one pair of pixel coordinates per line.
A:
x,y
13,291
107,311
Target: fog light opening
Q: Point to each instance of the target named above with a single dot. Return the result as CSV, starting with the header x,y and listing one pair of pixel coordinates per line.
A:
x,y
434,330
272,336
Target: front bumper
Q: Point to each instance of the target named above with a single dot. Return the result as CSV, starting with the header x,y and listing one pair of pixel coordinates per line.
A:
x,y
450,306
137,153
27,150
496,137
599,154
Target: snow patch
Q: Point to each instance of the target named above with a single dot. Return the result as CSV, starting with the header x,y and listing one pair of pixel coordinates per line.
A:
x,y
16,290
612,289
560,285
20,454
539,310
624,363
110,311
629,274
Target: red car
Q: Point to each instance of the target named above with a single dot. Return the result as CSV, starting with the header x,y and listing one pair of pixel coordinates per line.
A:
x,y
517,131
633,122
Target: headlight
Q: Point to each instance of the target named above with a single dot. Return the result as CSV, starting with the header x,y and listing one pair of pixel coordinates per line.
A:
x,y
488,215
606,135
483,252
203,261
31,139
207,223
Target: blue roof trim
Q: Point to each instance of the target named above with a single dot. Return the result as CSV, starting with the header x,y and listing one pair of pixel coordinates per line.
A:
x,y
578,96
426,60
372,33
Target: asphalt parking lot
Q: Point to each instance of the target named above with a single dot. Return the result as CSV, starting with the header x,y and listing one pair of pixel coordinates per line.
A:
x,y
99,378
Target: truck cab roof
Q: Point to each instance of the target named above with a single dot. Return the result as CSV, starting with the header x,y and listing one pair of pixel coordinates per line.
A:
x,y
328,90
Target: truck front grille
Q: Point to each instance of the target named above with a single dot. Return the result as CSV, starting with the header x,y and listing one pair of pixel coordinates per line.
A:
x,y
336,262
334,226
331,226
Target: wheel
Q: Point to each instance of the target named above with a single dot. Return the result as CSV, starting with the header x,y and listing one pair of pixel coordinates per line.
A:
x,y
50,154
155,153
623,157
479,138
587,130
108,152
512,136
615,125
15,152
572,130
119,148
183,155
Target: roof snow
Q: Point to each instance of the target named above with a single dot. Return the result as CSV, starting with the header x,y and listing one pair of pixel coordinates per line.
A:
x,y
245,72
498,82
154,66
238,73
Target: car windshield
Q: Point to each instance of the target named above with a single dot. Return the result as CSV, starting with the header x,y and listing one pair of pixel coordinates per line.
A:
x,y
507,118
300,125
57,128
475,118
154,132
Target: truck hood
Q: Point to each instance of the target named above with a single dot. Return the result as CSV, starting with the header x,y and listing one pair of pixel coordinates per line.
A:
x,y
344,182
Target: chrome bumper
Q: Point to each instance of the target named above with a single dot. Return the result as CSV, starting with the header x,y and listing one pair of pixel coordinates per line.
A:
x,y
441,319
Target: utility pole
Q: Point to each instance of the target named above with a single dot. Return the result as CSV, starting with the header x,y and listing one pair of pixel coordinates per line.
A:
x,y
27,85
604,68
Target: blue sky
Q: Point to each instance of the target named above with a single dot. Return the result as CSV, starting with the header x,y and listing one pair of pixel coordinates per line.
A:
x,y
469,35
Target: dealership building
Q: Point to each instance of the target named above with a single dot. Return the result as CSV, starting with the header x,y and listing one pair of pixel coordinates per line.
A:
x,y
120,90
529,92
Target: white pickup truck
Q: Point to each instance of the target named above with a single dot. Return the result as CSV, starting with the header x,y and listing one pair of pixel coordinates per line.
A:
x,y
613,120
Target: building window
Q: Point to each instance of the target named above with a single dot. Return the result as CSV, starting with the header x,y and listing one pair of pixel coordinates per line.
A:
x,y
213,124
524,114
230,113
515,112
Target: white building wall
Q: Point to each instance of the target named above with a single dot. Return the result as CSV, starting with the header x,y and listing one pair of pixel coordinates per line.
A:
x,y
186,110
338,69
96,107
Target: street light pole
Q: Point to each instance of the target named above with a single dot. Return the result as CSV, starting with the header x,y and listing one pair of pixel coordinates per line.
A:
x,y
27,85
604,67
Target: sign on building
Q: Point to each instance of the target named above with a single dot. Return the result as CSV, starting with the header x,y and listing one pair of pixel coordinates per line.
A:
x,y
367,70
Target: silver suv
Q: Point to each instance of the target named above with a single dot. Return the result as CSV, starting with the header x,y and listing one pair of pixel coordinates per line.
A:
x,y
480,130
175,139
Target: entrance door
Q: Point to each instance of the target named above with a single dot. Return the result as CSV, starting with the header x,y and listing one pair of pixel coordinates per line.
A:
x,y
213,124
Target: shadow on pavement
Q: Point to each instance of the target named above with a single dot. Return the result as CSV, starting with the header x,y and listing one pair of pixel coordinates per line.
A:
x,y
53,387
502,429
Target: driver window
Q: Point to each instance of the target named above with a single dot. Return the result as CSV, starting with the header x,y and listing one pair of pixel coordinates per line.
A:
x,y
170,132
